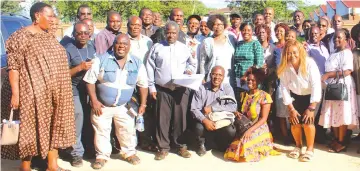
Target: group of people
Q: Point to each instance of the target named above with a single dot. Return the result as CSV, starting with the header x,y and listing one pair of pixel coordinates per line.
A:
x,y
252,71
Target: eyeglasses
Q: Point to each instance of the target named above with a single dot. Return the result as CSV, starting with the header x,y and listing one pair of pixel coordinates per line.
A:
x,y
217,25
86,33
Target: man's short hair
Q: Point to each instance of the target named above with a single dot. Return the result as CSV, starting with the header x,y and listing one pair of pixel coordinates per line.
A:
x,y
172,24
142,10
81,6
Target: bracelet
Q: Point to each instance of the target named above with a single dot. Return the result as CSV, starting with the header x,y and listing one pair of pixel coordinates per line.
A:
x,y
311,109
143,105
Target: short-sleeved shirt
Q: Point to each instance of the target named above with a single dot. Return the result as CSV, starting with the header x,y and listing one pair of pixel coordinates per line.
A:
x,y
247,54
75,57
251,106
140,48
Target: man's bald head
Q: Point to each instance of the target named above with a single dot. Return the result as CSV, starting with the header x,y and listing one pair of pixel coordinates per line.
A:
x,y
134,26
121,46
268,14
177,15
217,76
218,67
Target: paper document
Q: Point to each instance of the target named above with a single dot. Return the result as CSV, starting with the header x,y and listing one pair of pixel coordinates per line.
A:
x,y
193,81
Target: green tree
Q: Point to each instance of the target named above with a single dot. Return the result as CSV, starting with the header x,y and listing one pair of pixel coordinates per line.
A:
x,y
10,7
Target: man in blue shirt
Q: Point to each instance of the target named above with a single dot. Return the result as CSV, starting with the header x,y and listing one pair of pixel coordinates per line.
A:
x,y
80,52
111,81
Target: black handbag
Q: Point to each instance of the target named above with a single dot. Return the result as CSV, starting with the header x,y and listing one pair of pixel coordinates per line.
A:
x,y
337,91
242,125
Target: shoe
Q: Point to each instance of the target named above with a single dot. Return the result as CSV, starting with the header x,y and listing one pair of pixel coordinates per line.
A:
x,y
183,152
77,162
161,155
201,150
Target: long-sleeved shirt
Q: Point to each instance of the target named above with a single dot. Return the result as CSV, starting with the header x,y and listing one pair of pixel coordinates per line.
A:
x,y
149,31
300,84
320,54
104,41
206,95
166,61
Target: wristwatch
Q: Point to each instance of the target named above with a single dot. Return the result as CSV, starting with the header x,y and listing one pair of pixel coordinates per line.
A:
x,y
311,109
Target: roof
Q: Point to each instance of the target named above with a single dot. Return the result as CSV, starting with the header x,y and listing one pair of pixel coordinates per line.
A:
x,y
323,8
219,11
351,4
332,4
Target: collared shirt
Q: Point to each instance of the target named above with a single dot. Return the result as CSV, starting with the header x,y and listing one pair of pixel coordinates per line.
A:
x,y
206,95
201,37
160,36
310,84
269,58
194,45
298,33
117,80
104,41
237,36
273,36
68,32
166,61
75,57
320,54
149,31
140,48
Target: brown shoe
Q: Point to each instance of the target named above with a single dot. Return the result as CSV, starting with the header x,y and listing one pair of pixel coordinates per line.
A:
x,y
98,164
183,152
161,155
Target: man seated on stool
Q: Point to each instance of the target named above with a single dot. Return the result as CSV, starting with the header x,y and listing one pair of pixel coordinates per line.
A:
x,y
204,128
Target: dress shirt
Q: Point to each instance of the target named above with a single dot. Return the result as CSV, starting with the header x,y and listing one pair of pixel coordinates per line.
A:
x,y
140,48
320,54
206,95
194,45
299,84
166,61
272,28
269,58
149,31
104,41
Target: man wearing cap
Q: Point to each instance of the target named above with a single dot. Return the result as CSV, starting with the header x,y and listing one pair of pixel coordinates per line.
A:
x,y
192,42
235,20
176,15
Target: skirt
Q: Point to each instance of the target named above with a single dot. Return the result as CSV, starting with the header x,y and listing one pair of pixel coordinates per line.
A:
x,y
259,146
335,113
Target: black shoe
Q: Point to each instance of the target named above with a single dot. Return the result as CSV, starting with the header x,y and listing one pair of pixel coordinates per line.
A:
x,y
77,162
201,150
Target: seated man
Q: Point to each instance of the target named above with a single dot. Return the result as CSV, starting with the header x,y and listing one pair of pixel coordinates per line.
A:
x,y
200,108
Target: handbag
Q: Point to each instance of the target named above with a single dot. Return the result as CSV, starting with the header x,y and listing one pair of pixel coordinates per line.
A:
x,y
10,130
337,91
242,125
224,118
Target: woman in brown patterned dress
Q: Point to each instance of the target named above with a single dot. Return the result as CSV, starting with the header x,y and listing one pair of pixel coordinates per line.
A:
x,y
39,86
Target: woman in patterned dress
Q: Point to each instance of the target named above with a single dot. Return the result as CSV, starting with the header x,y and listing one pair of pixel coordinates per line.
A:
x,y
38,87
257,142
340,115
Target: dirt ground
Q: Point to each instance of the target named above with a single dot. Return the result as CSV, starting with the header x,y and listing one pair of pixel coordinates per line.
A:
x,y
213,161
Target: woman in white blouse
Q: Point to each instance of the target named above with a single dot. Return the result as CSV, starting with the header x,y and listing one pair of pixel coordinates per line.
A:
x,y
300,84
340,115
217,49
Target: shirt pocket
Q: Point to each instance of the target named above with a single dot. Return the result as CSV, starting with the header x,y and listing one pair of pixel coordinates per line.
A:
x,y
132,77
109,75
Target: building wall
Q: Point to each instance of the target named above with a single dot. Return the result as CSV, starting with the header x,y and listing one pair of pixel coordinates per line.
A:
x,y
322,13
342,10
330,11
316,17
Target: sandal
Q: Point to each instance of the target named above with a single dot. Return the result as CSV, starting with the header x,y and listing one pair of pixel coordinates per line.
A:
x,y
295,153
337,148
134,160
307,156
98,164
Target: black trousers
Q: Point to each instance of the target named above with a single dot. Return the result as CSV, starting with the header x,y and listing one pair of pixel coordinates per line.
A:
x,y
222,137
171,109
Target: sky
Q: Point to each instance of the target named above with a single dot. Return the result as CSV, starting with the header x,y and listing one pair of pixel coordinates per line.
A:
x,y
223,4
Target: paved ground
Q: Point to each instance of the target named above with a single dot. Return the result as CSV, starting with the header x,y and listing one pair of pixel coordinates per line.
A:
x,y
213,161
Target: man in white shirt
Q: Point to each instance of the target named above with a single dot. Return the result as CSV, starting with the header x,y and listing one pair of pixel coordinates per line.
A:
x,y
110,83
167,60
269,15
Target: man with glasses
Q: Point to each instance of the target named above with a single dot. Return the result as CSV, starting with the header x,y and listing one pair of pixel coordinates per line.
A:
x,y
80,53
201,107
104,40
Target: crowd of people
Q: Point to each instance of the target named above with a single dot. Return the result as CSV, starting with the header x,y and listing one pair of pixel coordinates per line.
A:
x,y
75,95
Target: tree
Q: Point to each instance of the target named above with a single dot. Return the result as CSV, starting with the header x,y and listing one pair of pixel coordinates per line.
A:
x,y
11,7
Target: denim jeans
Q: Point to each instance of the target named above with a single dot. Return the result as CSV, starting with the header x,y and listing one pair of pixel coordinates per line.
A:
x,y
78,149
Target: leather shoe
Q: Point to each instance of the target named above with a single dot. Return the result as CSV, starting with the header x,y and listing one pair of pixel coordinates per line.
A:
x,y
201,150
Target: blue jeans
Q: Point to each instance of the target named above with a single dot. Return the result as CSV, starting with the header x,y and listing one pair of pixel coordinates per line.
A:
x,y
78,149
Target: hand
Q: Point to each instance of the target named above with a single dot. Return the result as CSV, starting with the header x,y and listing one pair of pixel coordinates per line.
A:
x,y
85,65
15,101
247,135
308,117
188,72
293,117
207,110
153,95
324,77
238,115
141,110
209,125
97,107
